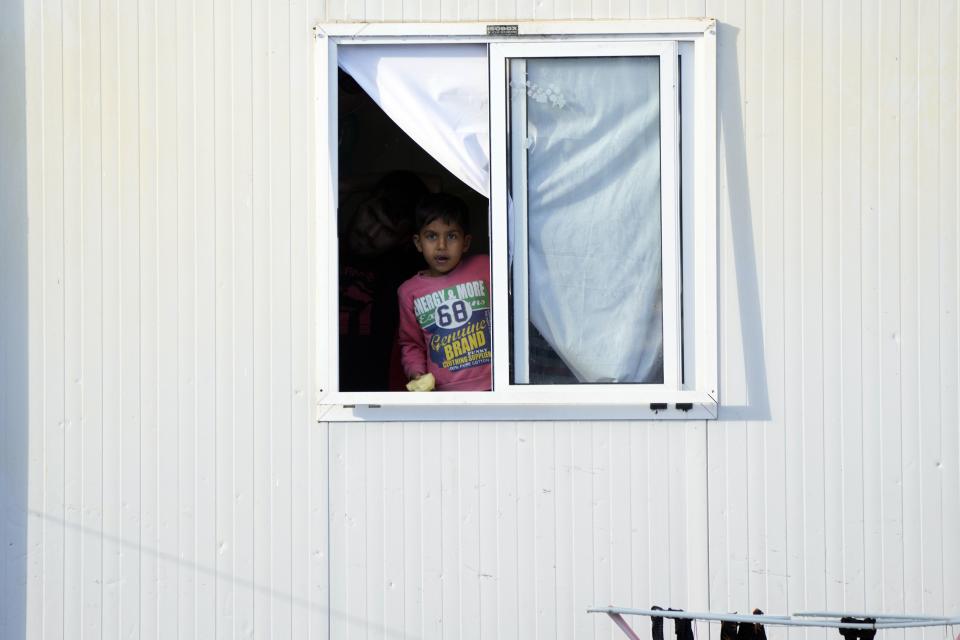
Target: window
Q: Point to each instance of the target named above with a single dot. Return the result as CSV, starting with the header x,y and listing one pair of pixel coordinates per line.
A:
x,y
600,225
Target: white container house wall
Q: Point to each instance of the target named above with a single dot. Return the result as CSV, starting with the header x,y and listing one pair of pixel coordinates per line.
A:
x,y
162,472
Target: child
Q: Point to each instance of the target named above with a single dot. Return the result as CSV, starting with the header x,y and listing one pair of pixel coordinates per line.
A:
x,y
445,309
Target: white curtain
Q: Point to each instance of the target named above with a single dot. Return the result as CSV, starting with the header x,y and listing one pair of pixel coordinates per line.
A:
x,y
438,94
593,201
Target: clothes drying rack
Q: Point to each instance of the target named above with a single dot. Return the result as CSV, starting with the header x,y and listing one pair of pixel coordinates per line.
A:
x,y
827,619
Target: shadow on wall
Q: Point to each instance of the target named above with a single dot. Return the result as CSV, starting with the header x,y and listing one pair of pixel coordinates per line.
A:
x,y
734,148
13,325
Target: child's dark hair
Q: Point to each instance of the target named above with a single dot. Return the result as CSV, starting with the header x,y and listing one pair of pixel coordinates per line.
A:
x,y
441,206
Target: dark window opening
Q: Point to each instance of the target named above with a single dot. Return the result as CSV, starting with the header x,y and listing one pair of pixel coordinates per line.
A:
x,y
382,174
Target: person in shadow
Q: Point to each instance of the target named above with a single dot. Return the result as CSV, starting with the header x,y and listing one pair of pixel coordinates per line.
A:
x,y
376,256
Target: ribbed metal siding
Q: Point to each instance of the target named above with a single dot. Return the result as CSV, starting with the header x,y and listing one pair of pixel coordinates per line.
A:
x,y
155,407
176,479
838,485
512,530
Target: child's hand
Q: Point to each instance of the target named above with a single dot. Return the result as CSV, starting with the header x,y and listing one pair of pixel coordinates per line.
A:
x,y
424,382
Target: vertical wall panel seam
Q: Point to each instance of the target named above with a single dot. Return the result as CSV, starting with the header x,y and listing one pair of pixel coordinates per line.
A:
x,y
197,424
289,311
364,549
79,283
216,361
669,491
516,520
553,501
863,399
271,493
859,317
823,307
609,509
100,234
881,542
761,292
742,107
706,513
900,294
328,518
844,322
784,319
384,498
118,234
841,418
268,260
941,421
178,564
593,512
420,515
801,241
460,573
956,274
62,321
707,504
82,316
197,463
43,319
921,414
157,213
139,515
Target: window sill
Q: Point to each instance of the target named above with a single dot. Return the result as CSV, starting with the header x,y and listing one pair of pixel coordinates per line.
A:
x,y
517,405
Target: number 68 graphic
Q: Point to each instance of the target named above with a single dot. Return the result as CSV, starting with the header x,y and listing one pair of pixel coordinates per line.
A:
x,y
453,314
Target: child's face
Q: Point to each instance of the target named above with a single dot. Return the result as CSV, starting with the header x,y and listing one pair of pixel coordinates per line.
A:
x,y
373,232
442,245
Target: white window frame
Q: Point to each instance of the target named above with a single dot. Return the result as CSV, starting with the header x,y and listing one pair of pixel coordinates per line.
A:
x,y
696,396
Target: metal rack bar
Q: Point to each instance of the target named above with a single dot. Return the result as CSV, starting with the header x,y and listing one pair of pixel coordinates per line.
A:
x,y
883,621
875,616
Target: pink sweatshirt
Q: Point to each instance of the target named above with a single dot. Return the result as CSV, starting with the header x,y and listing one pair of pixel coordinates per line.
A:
x,y
445,326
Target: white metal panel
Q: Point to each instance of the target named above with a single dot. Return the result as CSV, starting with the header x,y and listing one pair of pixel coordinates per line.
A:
x,y
541,505
910,304
73,290
869,330
809,519
853,366
767,549
412,552
51,510
928,305
113,375
888,572
139,128
841,158
452,494
948,459
173,477
168,429
832,263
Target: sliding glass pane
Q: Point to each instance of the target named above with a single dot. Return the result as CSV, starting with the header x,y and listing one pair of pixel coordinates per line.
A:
x,y
585,216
